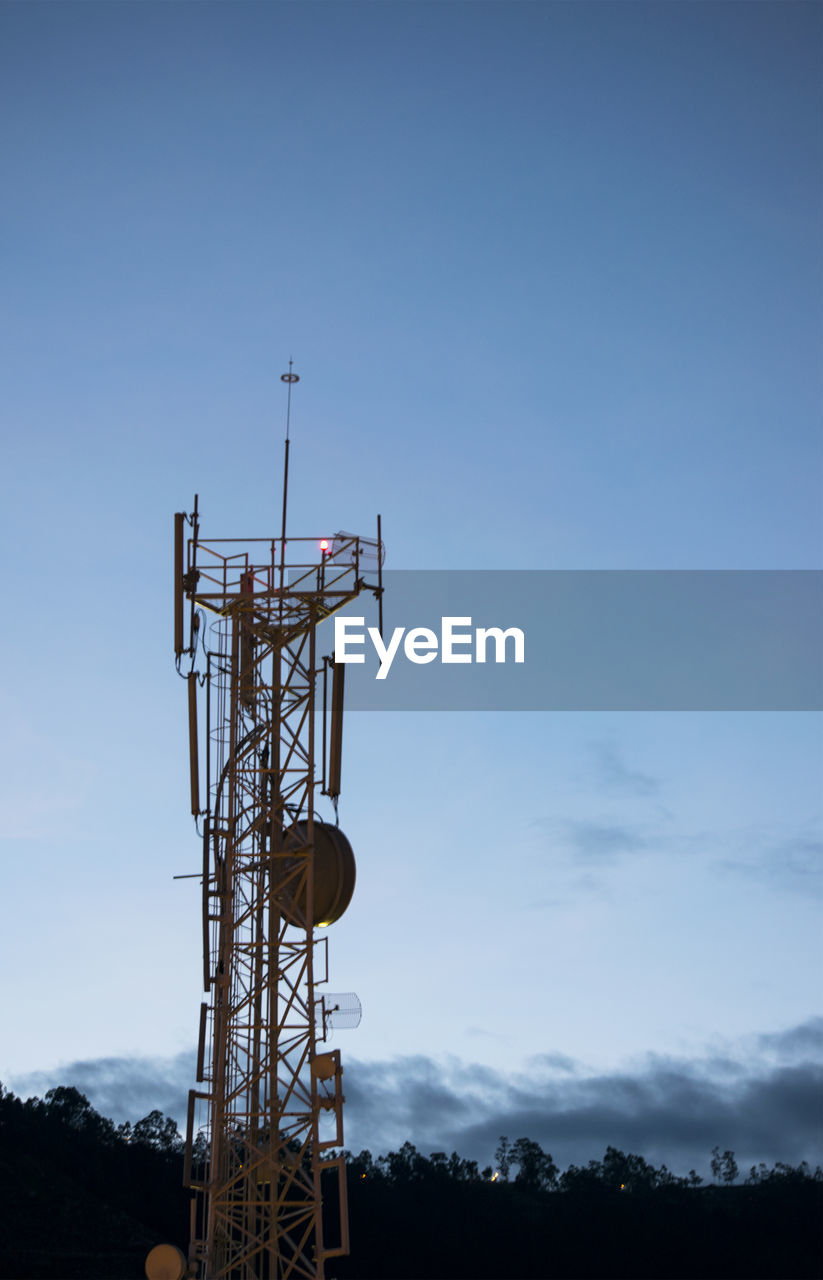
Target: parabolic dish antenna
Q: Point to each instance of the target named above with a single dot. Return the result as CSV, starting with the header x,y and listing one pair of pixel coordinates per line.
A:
x,y
166,1262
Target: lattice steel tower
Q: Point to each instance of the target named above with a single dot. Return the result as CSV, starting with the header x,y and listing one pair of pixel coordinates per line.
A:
x,y
268,1107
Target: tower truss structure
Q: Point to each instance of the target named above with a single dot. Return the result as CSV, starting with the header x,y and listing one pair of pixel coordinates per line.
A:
x,y
267,1110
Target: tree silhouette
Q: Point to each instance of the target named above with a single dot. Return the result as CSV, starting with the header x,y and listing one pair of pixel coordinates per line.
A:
x,y
624,1172
502,1157
536,1169
68,1106
158,1131
724,1167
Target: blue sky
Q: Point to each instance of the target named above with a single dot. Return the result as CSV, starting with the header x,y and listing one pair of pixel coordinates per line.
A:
x,y
551,275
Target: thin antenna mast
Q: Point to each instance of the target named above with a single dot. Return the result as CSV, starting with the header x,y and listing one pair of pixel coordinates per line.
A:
x,y
289,378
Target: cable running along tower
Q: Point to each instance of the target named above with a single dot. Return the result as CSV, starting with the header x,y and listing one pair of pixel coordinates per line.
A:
x,y
267,1110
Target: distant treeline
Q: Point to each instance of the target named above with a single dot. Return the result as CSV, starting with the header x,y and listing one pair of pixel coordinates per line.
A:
x,y
83,1198
536,1170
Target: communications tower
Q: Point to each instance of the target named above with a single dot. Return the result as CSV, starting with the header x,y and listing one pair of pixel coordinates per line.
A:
x,y
267,1110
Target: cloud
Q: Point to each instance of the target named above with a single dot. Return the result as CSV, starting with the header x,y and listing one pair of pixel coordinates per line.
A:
x,y
121,1088
798,862
672,1112
613,774
556,1062
602,840
803,1041
760,1099
793,862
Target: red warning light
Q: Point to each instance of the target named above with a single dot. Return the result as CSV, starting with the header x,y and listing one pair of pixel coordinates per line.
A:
x,y
324,544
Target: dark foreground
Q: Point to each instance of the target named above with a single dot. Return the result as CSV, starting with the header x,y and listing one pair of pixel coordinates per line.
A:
x,y
81,1200
491,1233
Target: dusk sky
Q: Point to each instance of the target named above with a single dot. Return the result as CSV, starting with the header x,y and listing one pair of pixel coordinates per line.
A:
x,y
550,274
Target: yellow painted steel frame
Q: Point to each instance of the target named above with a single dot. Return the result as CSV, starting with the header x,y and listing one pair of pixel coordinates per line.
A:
x,y
254,1147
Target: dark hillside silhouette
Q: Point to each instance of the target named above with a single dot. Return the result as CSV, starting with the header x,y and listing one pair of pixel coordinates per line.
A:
x,y
85,1200
439,1218
81,1198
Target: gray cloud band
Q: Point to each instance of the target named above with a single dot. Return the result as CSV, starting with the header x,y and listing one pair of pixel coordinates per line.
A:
x,y
763,1102
585,640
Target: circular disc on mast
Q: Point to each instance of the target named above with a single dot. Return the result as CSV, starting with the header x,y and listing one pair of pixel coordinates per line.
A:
x,y
334,875
165,1262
